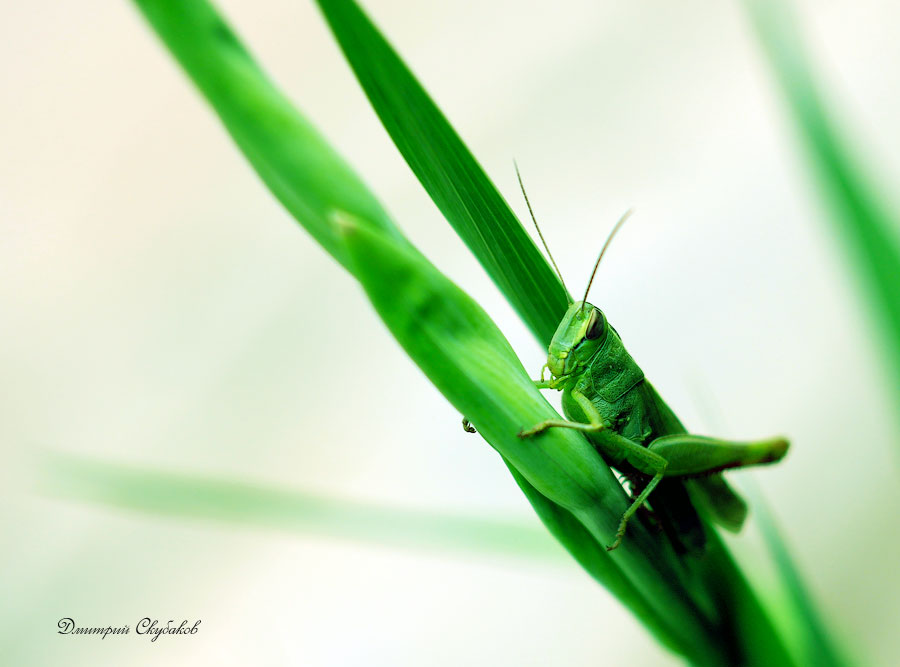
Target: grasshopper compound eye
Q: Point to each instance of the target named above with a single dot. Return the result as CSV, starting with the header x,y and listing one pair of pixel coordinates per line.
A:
x,y
595,326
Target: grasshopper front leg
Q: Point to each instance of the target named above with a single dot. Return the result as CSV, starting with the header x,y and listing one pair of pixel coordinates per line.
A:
x,y
596,422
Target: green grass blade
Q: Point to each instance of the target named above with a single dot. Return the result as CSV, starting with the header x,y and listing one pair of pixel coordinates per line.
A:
x,y
449,172
870,230
577,539
189,496
295,162
816,643
819,647
202,497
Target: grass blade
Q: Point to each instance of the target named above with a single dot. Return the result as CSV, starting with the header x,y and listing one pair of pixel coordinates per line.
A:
x,y
819,647
871,231
449,173
816,644
188,496
295,162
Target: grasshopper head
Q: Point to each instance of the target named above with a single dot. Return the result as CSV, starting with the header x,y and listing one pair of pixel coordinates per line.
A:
x,y
578,337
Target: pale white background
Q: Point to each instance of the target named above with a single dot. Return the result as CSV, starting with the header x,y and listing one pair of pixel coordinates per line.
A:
x,y
158,308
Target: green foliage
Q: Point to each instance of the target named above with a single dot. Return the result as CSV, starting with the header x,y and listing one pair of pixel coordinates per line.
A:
x,y
699,607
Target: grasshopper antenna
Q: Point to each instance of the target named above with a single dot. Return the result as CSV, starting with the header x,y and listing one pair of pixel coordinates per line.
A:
x,y
534,220
609,239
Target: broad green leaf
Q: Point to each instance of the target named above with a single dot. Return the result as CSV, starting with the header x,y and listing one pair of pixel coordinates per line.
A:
x,y
449,173
869,229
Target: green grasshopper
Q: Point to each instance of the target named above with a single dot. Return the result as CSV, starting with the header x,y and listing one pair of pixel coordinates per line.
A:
x,y
606,396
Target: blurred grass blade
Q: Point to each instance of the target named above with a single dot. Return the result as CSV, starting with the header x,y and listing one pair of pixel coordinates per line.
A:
x,y
811,637
201,497
295,162
871,231
449,172
188,496
818,645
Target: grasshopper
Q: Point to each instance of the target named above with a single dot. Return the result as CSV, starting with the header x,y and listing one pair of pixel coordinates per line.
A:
x,y
606,396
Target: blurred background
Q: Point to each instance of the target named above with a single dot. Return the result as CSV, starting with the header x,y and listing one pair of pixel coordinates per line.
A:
x,y
175,349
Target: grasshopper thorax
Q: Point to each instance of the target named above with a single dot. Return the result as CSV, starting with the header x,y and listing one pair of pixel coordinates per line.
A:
x,y
577,339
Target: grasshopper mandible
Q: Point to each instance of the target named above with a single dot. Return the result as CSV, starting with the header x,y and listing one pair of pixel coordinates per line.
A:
x,y
606,396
